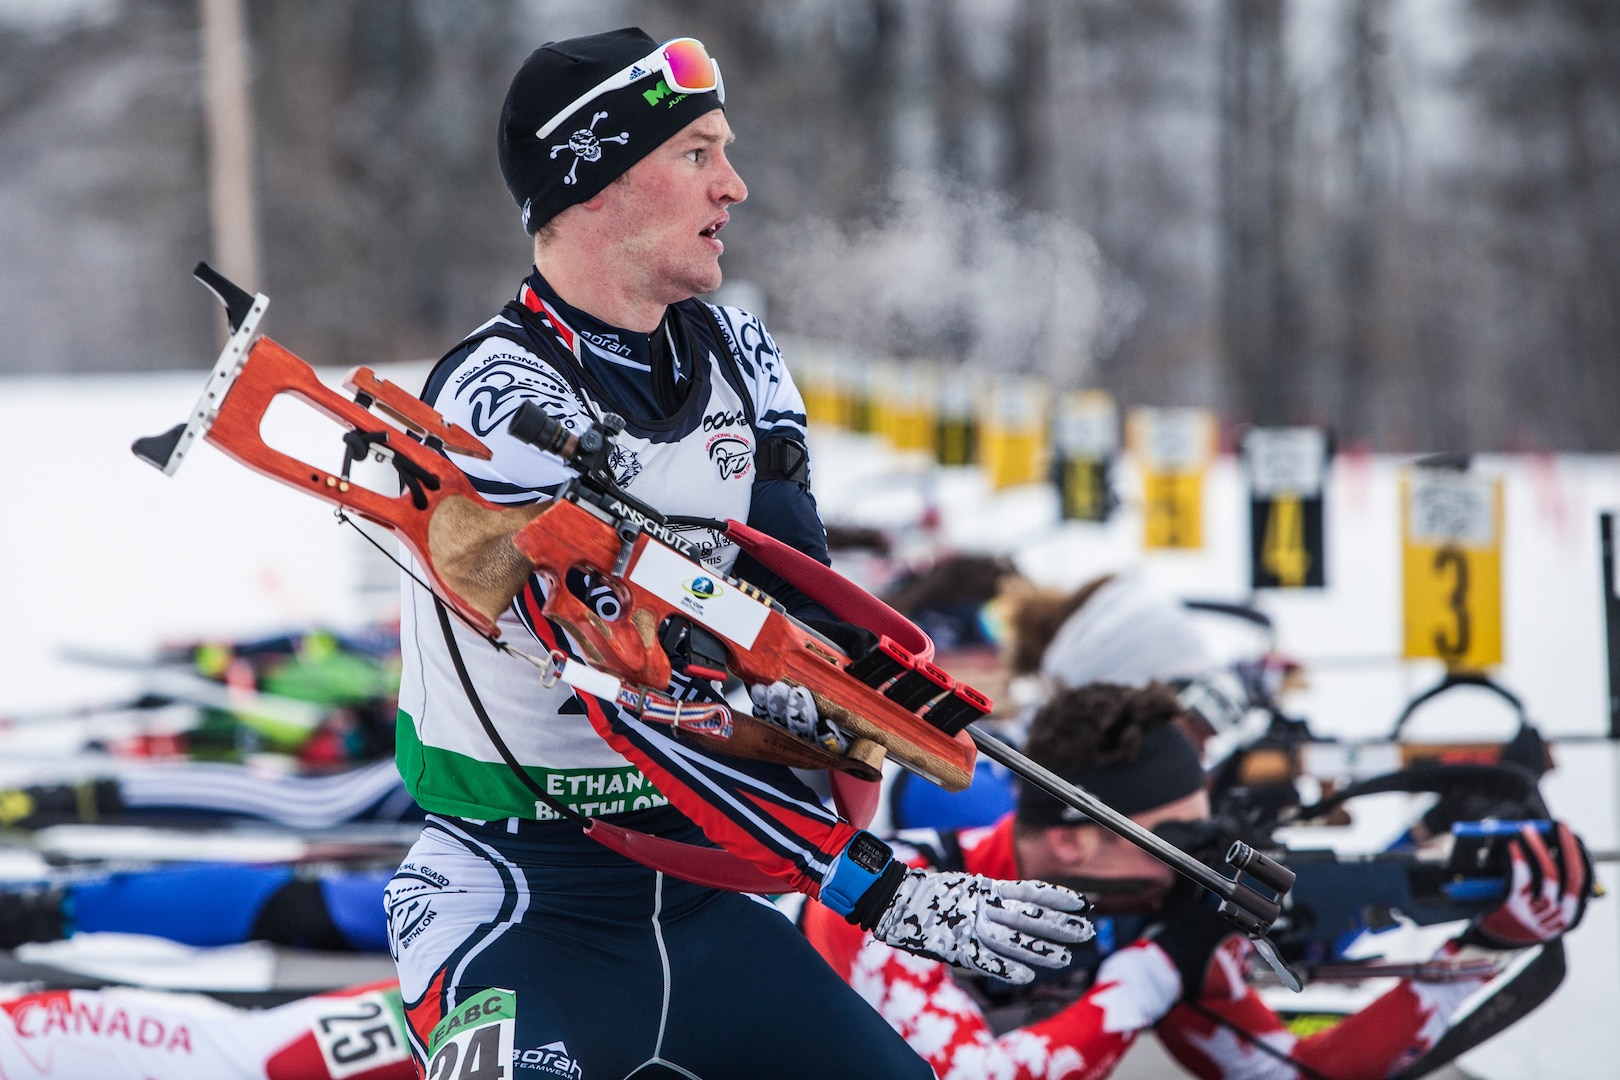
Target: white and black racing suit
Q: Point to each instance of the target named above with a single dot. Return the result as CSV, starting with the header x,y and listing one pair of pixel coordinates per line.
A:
x,y
614,966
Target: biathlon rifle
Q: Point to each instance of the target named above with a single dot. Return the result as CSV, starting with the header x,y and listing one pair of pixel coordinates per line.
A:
x,y
678,614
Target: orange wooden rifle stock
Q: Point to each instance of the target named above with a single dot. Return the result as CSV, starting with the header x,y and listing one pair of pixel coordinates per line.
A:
x,y
477,556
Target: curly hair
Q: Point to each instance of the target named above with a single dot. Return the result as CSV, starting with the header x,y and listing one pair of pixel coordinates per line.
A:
x,y
1097,724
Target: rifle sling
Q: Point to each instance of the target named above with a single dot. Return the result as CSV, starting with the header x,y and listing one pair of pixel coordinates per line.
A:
x,y
831,590
1515,996
714,868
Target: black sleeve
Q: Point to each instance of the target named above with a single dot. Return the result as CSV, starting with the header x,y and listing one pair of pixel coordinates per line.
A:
x,y
784,509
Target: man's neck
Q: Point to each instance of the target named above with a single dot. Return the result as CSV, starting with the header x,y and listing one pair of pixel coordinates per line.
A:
x,y
604,296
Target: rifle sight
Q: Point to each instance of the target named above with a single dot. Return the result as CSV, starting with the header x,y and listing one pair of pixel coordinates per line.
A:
x,y
587,453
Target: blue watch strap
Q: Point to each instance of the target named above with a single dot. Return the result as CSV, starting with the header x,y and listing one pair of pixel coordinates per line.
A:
x,y
855,870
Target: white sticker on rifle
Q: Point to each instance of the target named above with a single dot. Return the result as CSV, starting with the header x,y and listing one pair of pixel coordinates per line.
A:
x,y
700,593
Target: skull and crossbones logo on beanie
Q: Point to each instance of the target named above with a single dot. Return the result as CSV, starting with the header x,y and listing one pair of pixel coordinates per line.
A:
x,y
547,176
587,145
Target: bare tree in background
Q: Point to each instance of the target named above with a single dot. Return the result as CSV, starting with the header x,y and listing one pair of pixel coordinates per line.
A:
x,y
1255,305
103,194
1365,90
387,224
1131,158
1544,83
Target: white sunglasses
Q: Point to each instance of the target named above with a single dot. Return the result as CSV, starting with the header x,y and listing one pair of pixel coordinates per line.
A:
x,y
684,62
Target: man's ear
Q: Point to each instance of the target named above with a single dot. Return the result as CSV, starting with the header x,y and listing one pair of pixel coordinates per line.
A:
x,y
566,216
595,202
599,200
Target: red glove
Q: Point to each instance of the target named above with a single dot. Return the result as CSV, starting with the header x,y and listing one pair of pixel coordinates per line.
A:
x,y
1544,899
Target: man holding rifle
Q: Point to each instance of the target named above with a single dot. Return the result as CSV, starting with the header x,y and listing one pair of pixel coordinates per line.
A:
x,y
1162,957
517,936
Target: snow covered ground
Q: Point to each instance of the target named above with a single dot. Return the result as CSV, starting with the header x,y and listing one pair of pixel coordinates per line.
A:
x,y
100,553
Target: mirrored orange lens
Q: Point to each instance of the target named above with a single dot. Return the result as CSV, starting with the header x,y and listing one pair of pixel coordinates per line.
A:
x,y
688,66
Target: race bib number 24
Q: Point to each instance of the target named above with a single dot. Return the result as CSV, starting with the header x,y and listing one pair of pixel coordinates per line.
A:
x,y
475,1042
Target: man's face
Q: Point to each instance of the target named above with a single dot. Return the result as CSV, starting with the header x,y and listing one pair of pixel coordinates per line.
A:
x,y
663,214
1114,873
1113,856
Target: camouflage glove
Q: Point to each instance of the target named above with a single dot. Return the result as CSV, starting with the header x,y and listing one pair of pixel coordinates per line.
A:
x,y
996,928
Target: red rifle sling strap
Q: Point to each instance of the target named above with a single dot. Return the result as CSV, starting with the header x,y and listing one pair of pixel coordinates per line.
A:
x,y
830,589
714,868
855,798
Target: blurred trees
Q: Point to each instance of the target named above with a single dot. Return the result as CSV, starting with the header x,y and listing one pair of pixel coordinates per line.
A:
x,y
1397,217
1544,197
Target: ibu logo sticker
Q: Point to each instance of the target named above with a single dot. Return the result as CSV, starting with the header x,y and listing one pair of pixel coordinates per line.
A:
x,y
476,1040
703,588
681,583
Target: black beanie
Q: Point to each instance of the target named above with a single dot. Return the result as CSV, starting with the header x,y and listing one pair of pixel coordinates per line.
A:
x,y
601,140
1163,769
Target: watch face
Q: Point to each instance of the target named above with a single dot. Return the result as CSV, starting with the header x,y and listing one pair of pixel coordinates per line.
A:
x,y
869,853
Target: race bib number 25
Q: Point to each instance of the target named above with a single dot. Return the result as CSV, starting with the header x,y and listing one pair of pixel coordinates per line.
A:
x,y
361,1033
475,1042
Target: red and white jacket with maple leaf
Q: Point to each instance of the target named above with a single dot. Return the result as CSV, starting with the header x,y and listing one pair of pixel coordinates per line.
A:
x,y
1135,988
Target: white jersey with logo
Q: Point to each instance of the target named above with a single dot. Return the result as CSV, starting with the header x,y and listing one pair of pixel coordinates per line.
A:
x,y
699,461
